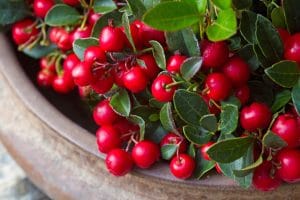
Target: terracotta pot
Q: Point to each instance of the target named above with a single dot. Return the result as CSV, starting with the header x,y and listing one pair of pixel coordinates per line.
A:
x,y
61,157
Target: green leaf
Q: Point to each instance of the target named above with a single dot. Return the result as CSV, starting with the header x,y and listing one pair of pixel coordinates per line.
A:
x,y
277,17
229,118
247,170
115,16
261,92
166,118
150,3
222,4
183,41
271,140
104,6
292,15
154,132
209,122
296,97
159,54
284,73
235,43
39,51
126,25
171,16
80,45
189,106
120,103
242,4
62,15
156,104
196,135
241,163
137,7
224,27
248,54
190,67
139,121
229,150
168,151
12,11
281,99
191,150
200,4
265,62
233,100
268,39
202,167
248,26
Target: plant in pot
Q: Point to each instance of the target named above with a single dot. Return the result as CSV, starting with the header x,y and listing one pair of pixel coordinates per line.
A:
x,y
202,84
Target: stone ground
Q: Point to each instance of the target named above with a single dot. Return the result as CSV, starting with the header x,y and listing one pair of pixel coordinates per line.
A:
x,y
14,185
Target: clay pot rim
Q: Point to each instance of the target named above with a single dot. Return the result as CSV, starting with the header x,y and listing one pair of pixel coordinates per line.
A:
x,y
72,132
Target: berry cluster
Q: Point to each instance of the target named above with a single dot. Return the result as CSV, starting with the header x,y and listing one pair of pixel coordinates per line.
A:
x,y
184,97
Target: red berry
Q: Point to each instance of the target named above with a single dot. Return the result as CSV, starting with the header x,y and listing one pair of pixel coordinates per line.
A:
x,y
61,84
263,179
84,91
182,166
24,31
292,48
118,74
104,114
284,35
287,127
218,168
94,54
70,63
145,154
61,38
237,70
125,128
112,39
204,148
256,116
82,74
71,2
41,7
93,17
135,80
118,162
108,138
172,138
212,107
45,78
289,160
174,63
150,69
80,33
45,64
218,85
146,34
215,54
134,30
103,82
243,94
160,91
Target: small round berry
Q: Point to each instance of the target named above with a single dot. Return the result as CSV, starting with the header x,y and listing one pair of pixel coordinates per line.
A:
x,y
45,64
108,138
126,128
112,39
103,82
160,89
80,33
41,7
172,138
145,154
174,63
150,69
215,54
292,48
135,80
61,38
118,73
104,114
93,17
243,94
71,2
146,34
45,78
94,54
256,116
211,106
70,63
218,86
204,148
82,74
289,160
24,31
284,35
182,166
118,162
62,84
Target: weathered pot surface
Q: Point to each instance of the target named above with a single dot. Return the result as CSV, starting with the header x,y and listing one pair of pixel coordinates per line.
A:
x,y
62,158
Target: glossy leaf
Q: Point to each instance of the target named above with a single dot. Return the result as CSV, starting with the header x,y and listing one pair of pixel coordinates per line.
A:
x,y
248,26
284,73
80,45
261,92
190,67
159,54
171,16
120,103
166,118
209,122
222,4
281,99
126,25
247,170
264,62
12,11
277,17
104,6
39,51
292,15
203,166
168,151
191,150
196,135
271,140
229,118
62,15
296,97
137,7
248,54
189,106
140,122
227,151
150,3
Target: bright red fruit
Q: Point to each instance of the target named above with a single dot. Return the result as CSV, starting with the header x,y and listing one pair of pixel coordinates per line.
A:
x,y
146,33
145,153
80,33
61,38
45,78
172,138
134,30
212,107
41,7
104,114
118,162
284,35
215,54
263,179
108,138
150,69
204,148
93,17
71,2
24,31
174,63
103,81
243,94
237,70
94,54
292,48
289,160
182,166
62,84
287,127
256,116
125,128
218,85
70,63
82,74
45,64
112,39
160,90
218,168
118,73
135,79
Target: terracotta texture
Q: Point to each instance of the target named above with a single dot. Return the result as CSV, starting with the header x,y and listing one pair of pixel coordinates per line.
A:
x,y
61,157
